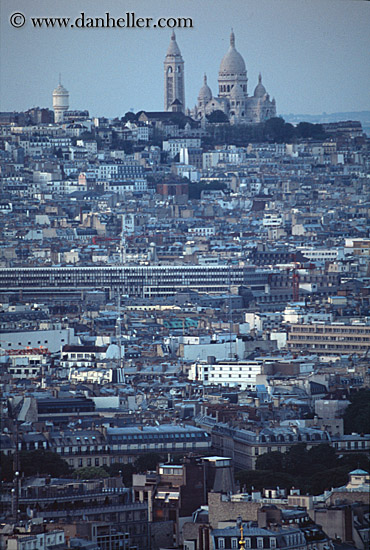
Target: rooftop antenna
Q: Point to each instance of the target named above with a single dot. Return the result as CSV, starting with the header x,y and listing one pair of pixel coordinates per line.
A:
x,y
60,79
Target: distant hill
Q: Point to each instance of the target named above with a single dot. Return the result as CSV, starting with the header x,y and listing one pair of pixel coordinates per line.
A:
x,y
362,116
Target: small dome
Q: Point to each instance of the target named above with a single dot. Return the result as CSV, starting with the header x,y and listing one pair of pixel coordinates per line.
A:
x,y
237,92
60,90
260,90
232,62
173,48
205,93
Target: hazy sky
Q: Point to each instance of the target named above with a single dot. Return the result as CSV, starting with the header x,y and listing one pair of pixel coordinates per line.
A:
x,y
313,54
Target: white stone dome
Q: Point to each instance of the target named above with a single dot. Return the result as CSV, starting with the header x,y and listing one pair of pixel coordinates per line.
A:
x,y
260,90
232,62
60,90
237,92
205,93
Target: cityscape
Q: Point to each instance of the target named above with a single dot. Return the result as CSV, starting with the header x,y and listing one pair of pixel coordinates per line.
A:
x,y
184,308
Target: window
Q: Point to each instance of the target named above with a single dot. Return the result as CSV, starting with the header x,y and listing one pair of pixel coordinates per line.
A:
x,y
234,543
259,542
221,543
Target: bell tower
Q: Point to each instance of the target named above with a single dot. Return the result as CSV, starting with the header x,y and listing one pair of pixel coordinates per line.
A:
x,y
174,81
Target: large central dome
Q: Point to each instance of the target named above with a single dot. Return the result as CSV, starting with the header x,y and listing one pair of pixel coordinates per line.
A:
x,y
232,62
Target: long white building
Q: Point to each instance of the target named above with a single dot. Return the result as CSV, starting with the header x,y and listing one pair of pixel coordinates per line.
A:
x,y
227,373
136,281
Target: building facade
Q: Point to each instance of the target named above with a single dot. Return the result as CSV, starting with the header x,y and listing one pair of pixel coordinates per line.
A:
x,y
233,99
330,339
139,281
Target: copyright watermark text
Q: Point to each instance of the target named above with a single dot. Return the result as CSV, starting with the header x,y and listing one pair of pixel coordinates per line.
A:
x,y
128,20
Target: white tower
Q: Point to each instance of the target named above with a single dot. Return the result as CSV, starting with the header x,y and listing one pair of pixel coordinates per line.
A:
x,y
174,81
60,102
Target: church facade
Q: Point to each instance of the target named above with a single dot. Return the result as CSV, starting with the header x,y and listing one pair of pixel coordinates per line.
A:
x,y
232,99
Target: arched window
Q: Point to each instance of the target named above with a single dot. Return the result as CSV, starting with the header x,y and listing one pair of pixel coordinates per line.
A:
x,y
169,70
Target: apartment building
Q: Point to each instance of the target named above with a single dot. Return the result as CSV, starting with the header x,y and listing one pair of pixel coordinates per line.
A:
x,y
227,373
330,339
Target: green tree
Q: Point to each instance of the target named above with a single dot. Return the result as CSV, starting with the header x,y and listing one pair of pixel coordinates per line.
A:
x,y
42,462
296,460
217,117
90,472
278,131
270,461
323,455
261,479
307,130
195,189
324,480
357,414
354,461
124,470
147,462
129,117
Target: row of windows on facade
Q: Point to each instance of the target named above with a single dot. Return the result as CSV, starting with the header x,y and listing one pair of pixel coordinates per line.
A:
x,y
321,347
335,338
30,343
352,330
154,437
249,542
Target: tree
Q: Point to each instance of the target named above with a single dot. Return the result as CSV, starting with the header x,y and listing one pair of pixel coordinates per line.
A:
x,y
42,462
322,481
261,479
195,189
217,117
124,470
323,455
270,461
296,460
129,117
354,461
277,130
90,472
147,462
357,414
307,130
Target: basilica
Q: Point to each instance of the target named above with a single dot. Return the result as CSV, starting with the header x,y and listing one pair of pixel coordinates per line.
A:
x,y
232,99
